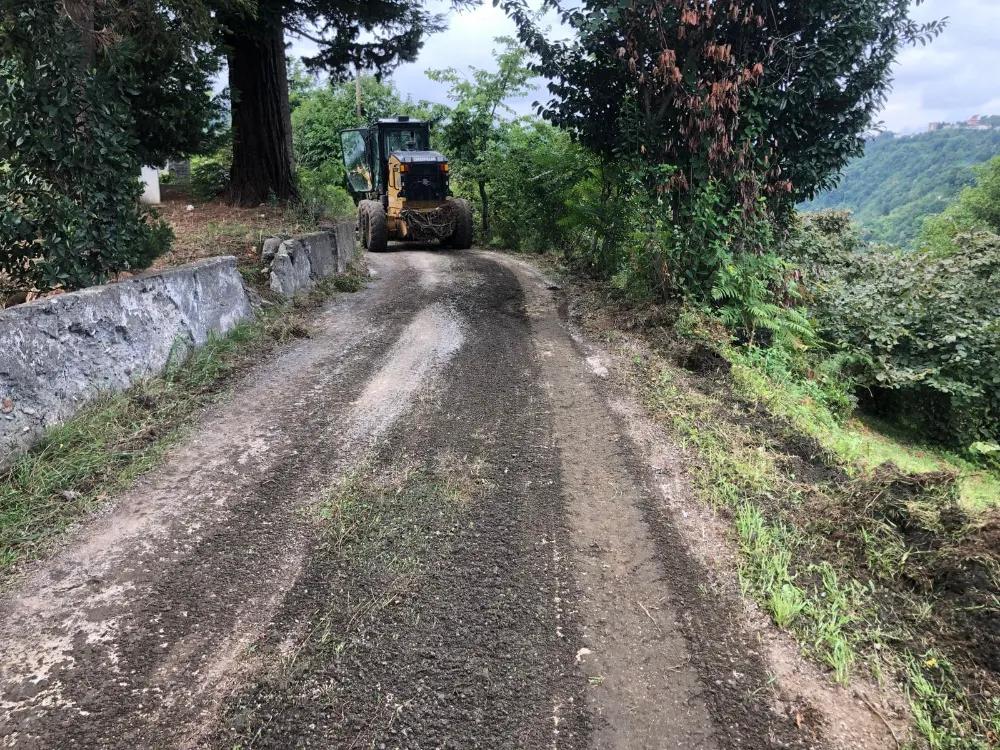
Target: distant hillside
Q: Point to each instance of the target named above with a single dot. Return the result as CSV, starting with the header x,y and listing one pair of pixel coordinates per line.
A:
x,y
902,179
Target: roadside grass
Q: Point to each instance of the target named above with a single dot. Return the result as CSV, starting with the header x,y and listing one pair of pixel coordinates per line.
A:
x,y
856,567
77,465
881,558
860,444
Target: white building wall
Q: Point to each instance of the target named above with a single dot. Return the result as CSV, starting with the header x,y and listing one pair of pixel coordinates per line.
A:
x,y
150,185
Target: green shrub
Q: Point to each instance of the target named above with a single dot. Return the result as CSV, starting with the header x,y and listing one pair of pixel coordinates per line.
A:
x,y
820,241
918,330
155,243
69,187
322,194
210,174
534,171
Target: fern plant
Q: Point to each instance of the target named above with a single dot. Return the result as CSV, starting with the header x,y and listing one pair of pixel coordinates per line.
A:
x,y
744,287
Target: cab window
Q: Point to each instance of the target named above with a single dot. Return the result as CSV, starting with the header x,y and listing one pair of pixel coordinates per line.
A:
x,y
356,161
411,139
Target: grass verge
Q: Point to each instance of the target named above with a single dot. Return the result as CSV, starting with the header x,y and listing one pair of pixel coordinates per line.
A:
x,y
120,436
860,445
874,554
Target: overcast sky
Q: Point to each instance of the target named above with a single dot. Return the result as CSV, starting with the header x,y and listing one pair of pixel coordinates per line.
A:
x,y
951,79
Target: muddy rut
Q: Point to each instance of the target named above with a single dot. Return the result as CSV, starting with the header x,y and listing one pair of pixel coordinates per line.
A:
x,y
423,527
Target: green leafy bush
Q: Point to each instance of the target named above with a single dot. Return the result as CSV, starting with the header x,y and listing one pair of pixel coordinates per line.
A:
x,y
155,243
747,291
322,194
820,241
720,260
69,188
210,174
919,330
534,169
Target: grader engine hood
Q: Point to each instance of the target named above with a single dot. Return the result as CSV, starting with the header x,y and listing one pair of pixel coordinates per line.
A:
x,y
420,175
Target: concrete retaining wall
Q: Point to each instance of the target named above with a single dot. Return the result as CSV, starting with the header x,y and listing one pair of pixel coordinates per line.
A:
x,y
297,264
57,353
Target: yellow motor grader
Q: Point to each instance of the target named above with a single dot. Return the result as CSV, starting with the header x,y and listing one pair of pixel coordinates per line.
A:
x,y
404,186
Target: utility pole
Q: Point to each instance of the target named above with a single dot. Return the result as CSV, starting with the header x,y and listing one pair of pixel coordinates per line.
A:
x,y
357,89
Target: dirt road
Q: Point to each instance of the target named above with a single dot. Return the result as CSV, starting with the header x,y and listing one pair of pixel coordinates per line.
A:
x,y
423,527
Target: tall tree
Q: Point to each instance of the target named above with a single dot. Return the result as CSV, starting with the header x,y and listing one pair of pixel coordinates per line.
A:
x,y
171,52
777,92
479,98
69,191
81,15
168,53
372,34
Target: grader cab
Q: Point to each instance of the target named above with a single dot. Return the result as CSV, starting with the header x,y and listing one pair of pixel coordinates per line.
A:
x,y
406,196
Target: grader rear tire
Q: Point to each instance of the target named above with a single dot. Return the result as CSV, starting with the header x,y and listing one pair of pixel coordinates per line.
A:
x,y
461,238
374,227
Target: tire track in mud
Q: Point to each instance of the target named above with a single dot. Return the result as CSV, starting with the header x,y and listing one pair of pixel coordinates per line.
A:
x,y
673,665
129,635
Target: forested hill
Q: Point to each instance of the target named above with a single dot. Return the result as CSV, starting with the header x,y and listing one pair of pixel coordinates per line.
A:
x,y
902,179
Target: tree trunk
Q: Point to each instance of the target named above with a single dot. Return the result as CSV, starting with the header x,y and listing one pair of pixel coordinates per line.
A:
x,y
486,212
262,122
81,14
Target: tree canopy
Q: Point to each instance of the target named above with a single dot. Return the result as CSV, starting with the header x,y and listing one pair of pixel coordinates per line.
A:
x,y
975,210
70,150
776,92
167,52
172,54
727,113
473,124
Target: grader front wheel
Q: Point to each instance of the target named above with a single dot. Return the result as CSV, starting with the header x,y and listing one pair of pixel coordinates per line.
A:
x,y
461,237
374,227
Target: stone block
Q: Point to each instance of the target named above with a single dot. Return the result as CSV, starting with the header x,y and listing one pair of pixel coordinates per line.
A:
x,y
345,242
269,249
56,354
299,263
